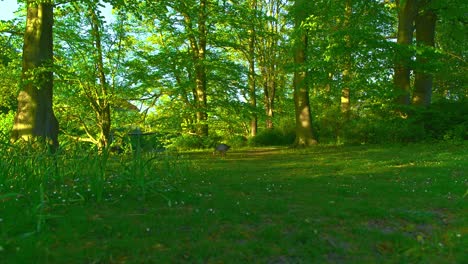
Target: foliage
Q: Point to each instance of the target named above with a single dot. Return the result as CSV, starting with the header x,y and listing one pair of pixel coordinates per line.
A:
x,y
273,137
150,71
10,63
6,123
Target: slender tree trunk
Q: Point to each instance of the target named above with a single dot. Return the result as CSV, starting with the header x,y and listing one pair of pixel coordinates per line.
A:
x,y
269,115
35,117
252,84
269,91
304,132
345,92
425,34
103,114
406,13
270,54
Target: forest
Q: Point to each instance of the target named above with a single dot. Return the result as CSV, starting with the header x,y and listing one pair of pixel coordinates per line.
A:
x,y
346,123
190,75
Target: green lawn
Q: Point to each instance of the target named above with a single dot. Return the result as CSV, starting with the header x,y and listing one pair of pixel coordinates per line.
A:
x,y
362,204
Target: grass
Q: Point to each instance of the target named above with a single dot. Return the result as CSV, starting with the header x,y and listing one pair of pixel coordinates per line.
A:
x,y
362,204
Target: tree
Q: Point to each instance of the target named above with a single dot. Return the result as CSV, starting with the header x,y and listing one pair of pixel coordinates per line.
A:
x,y
271,55
35,117
407,10
425,24
252,77
92,75
347,75
198,43
420,17
101,106
304,133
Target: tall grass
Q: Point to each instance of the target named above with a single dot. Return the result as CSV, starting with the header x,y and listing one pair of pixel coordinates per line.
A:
x,y
34,182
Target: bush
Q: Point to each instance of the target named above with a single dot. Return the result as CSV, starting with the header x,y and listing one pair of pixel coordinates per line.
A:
x,y
446,120
187,142
274,137
237,141
6,124
443,120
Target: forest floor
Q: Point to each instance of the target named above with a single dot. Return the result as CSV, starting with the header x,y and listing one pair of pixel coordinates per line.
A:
x,y
350,204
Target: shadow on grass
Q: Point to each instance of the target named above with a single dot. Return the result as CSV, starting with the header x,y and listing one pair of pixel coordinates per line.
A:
x,y
399,204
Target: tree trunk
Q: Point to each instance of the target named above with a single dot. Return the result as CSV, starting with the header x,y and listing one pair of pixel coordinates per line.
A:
x,y
103,113
425,34
198,50
35,117
345,92
304,132
406,13
269,89
269,57
252,84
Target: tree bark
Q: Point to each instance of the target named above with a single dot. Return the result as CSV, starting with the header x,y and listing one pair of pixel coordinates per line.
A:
x,y
103,113
198,50
425,34
35,117
269,90
345,99
407,10
345,92
304,132
252,83
269,62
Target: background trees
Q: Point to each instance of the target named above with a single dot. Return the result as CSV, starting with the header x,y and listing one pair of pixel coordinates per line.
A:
x,y
197,71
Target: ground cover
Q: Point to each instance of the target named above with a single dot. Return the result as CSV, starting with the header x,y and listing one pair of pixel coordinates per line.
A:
x,y
349,204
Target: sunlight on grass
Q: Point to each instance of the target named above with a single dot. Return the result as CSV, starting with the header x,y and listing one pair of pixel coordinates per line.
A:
x,y
324,204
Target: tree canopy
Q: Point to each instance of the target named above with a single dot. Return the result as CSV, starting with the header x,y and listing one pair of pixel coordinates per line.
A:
x,y
194,73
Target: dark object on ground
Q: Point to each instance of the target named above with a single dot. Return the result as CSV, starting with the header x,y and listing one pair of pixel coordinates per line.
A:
x,y
222,149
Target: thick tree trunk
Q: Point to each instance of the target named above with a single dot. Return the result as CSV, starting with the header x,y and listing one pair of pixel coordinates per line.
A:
x,y
304,132
406,13
425,34
198,50
35,117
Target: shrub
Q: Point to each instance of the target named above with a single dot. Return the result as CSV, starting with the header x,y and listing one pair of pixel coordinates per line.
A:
x,y
6,124
187,142
273,137
237,141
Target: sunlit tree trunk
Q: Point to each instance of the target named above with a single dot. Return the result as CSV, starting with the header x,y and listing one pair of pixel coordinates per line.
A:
x,y
406,13
425,34
252,83
304,132
102,105
269,90
198,42
35,117
270,112
345,92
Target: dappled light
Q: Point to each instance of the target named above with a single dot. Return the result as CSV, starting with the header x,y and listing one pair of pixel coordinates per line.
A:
x,y
247,131
283,201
